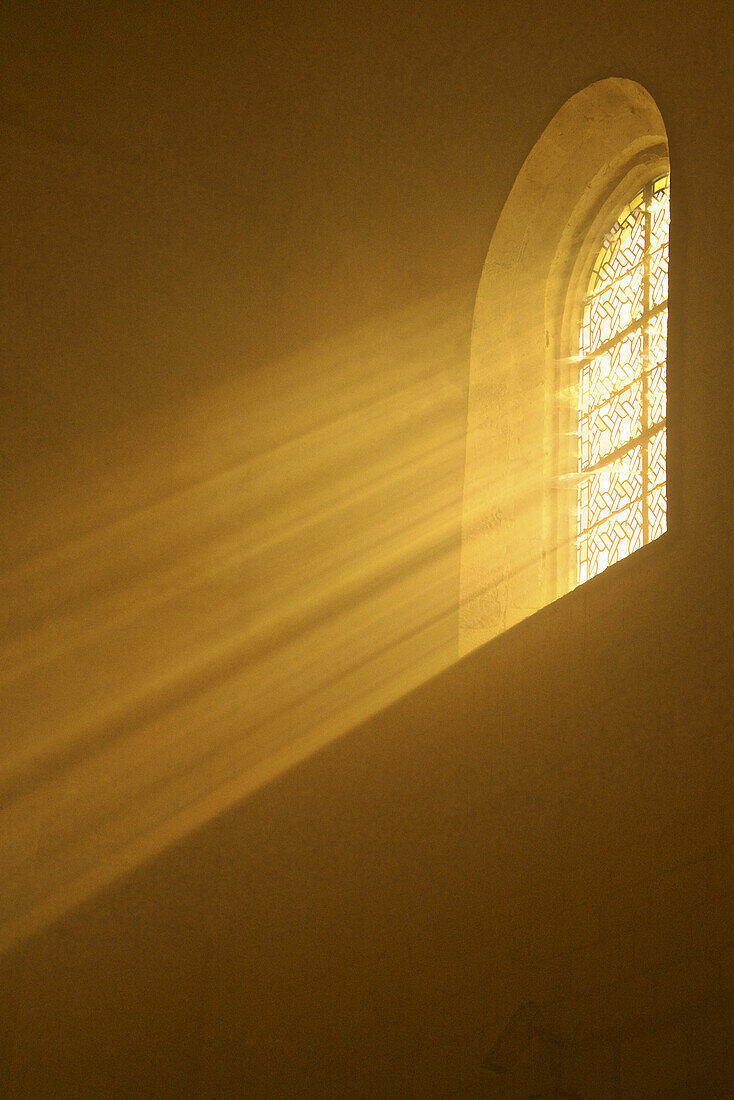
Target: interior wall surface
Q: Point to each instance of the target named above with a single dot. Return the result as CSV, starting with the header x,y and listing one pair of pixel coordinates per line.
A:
x,y
262,834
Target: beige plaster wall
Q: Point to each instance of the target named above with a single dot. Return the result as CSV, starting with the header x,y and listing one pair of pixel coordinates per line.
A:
x,y
240,256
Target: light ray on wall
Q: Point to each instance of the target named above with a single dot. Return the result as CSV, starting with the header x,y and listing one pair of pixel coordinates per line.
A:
x,y
278,561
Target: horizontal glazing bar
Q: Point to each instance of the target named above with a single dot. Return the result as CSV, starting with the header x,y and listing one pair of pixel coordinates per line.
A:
x,y
638,323
616,393
642,437
611,515
633,269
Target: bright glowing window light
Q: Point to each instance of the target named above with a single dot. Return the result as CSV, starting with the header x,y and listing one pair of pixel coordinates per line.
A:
x,y
622,494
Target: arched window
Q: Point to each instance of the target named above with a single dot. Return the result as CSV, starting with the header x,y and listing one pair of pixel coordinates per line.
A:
x,y
622,495
565,446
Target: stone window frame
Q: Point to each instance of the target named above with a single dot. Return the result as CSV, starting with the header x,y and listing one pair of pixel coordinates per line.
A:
x,y
515,549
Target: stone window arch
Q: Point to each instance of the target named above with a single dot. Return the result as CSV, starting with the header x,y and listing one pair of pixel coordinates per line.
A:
x,y
520,538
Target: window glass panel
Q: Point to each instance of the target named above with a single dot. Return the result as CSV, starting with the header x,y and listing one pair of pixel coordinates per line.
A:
x,y
656,460
658,338
611,370
613,487
657,512
659,275
614,307
610,541
622,386
656,396
660,216
612,425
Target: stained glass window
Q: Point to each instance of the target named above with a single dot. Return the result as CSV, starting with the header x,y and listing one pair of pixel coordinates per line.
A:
x,y
622,499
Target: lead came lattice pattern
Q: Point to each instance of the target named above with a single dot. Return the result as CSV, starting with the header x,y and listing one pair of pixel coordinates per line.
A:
x,y
622,392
